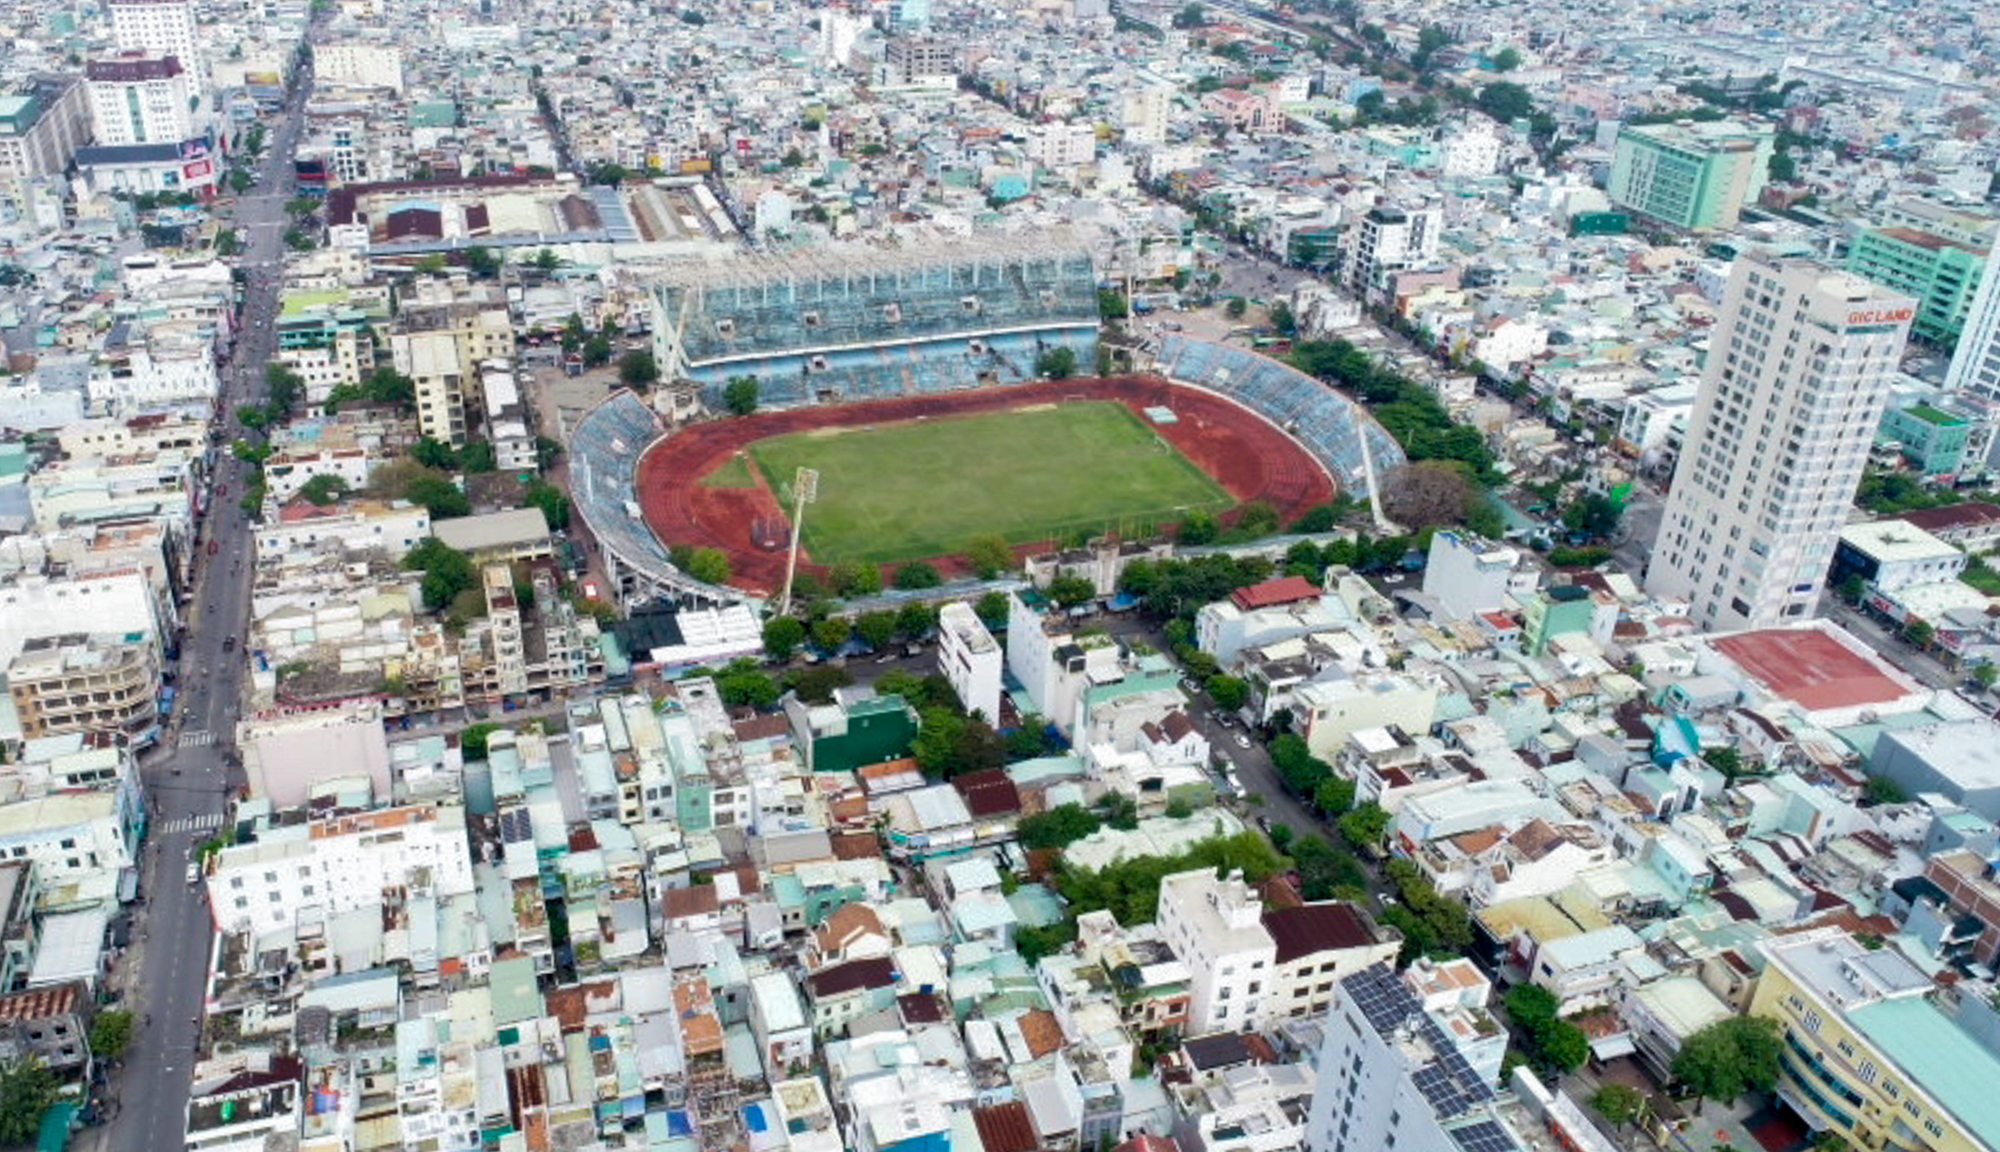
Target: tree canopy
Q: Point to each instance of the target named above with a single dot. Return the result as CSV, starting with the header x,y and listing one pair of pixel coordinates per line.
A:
x,y
1732,1056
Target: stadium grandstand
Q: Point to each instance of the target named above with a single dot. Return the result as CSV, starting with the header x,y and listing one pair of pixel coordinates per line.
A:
x,y
603,449
827,326
1329,425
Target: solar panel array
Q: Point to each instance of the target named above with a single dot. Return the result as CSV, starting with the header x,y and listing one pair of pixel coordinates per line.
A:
x,y
1447,1081
515,826
1485,1136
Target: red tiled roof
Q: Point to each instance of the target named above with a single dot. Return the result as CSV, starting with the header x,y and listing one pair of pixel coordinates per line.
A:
x,y
1006,1128
874,972
1809,667
1311,928
1283,590
988,792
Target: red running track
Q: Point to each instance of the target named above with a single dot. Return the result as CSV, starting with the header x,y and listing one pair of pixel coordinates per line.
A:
x,y
1247,455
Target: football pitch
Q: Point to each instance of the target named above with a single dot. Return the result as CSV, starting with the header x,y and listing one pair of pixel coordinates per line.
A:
x,y
930,487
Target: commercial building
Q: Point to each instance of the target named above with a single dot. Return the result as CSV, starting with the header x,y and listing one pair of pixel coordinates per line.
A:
x,y
140,99
1892,555
431,361
360,64
1931,440
971,659
1690,175
1797,374
1867,1055
158,28
78,683
1943,275
1960,762
1384,241
41,126
333,866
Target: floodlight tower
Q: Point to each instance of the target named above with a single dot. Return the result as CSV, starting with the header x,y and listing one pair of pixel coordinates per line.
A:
x,y
805,490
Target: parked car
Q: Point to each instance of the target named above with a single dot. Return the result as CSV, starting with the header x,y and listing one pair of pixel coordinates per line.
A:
x,y
1242,741
194,873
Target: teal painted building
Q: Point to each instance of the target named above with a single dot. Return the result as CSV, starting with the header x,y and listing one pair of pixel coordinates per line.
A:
x,y
1942,274
858,728
1565,608
1932,440
1692,175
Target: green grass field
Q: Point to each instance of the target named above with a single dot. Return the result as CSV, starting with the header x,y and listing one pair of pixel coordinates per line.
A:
x,y
929,487
734,473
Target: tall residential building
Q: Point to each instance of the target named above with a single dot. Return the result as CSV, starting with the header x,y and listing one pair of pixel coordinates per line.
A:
x,y
1975,366
1797,374
1145,114
431,360
140,99
1942,273
1868,1055
1692,175
971,659
41,125
1386,240
1390,1078
158,28
1217,928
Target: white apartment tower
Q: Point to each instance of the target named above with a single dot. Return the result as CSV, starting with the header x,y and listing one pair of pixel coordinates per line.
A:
x,y
158,28
1217,928
1797,373
140,99
1975,366
971,659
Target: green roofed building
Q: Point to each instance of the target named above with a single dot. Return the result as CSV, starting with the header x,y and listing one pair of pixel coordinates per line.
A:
x,y
1692,175
858,728
1932,440
1941,273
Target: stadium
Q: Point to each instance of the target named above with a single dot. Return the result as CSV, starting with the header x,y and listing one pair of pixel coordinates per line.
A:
x,y
905,379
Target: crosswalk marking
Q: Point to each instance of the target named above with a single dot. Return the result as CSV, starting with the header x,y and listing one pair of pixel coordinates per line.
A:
x,y
193,823
192,739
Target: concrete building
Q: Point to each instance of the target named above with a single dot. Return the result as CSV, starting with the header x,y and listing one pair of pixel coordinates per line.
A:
x,y
1468,575
1797,374
1892,555
1959,761
140,99
1942,275
158,28
971,659
41,126
1217,928
1867,1054
360,64
1386,240
1389,1077
1975,363
431,360
336,865
80,683
1690,175
1932,441
1316,946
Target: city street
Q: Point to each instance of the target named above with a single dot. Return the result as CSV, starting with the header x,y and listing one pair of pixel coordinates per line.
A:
x,y
187,778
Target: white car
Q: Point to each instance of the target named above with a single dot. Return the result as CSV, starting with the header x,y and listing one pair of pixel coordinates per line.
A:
x,y
194,873
1242,741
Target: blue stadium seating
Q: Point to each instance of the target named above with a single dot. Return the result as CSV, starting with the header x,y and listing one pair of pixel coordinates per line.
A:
x,y
1327,423
604,449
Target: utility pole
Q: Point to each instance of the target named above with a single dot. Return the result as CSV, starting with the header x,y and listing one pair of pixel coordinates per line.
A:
x,y
805,490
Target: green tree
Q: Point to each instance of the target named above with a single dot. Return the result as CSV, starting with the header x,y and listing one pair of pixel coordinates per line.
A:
x,y
1059,827
1112,305
991,607
1919,633
1507,60
638,370
743,684
477,457
1853,587
434,453
1505,101
439,496
481,261
546,260
284,388
1191,15
740,395
1228,692
228,243
782,637
447,571
1882,790
1199,528
1334,796
27,1088
324,489
597,351
1732,1056
1058,363
1593,514
915,620
830,632
1070,591
110,1033
1618,1103
915,575
875,629
1725,760
1364,826
554,505
709,565
472,740
1235,308
989,556
1985,674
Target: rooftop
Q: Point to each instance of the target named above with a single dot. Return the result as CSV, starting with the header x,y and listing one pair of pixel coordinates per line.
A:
x,y
1810,668
1893,541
